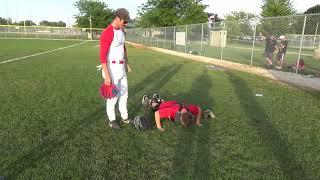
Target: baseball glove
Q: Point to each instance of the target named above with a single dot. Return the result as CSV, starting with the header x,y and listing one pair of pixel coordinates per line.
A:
x,y
108,92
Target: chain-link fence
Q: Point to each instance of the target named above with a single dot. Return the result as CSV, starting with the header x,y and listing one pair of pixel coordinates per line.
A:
x,y
43,32
243,41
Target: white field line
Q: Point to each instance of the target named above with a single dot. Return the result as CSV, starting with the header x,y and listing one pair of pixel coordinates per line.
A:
x,y
37,54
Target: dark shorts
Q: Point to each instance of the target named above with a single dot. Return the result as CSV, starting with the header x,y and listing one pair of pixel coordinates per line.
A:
x,y
281,56
268,55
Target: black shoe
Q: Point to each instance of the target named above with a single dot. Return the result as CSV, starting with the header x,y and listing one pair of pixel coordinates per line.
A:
x,y
114,125
155,98
145,100
127,121
208,114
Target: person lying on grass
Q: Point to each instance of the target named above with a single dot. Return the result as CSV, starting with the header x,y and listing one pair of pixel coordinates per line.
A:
x,y
176,112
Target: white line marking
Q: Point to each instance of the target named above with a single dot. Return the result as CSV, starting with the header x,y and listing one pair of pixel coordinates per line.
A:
x,y
37,54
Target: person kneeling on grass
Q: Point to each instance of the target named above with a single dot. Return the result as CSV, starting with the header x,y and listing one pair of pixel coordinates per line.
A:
x,y
176,112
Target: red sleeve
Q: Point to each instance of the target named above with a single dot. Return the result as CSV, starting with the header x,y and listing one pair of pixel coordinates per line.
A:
x,y
105,42
193,109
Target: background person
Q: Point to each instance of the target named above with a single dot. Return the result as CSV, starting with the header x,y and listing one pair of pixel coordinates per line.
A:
x,y
282,52
271,44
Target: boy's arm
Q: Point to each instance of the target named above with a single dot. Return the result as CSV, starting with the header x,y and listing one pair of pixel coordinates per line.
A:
x,y
127,67
198,117
158,122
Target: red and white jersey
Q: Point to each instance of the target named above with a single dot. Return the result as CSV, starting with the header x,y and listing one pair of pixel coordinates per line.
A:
x,y
112,45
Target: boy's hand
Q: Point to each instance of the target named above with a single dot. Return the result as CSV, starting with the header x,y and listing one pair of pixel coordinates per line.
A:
x,y
161,129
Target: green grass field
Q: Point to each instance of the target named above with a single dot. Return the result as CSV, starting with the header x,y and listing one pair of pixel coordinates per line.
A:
x,y
53,123
240,52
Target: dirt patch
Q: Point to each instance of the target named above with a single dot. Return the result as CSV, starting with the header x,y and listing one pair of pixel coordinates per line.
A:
x,y
138,46
285,77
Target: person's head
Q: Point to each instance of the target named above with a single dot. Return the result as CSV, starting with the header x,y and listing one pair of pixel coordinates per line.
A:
x,y
121,18
282,37
186,118
301,62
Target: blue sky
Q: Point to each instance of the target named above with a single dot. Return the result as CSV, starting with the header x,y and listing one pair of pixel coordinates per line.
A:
x,y
55,10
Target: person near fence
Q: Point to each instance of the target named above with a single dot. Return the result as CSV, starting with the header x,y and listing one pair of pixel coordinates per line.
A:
x,y
293,67
114,61
271,44
185,114
282,51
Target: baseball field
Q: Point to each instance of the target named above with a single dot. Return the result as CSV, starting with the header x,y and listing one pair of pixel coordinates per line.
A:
x,y
53,123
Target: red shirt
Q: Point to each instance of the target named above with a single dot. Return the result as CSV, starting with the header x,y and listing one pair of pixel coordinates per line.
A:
x,y
168,109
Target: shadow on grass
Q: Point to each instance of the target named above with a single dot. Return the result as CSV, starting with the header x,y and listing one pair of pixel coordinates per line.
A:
x,y
258,119
192,154
153,82
43,150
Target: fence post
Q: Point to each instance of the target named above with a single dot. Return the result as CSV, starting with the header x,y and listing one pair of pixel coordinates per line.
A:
x,y
201,48
157,37
25,30
141,37
315,35
185,45
253,41
221,42
165,36
7,29
151,34
174,38
302,35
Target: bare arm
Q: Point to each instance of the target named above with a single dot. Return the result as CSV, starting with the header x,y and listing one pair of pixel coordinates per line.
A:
x,y
107,79
158,122
128,69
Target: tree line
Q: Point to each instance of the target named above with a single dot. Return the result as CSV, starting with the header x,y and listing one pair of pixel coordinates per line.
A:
x,y
162,13
8,21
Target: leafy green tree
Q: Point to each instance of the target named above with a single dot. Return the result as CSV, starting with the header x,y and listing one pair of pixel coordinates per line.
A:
x,y
239,15
313,9
312,21
4,21
216,17
273,8
161,13
44,23
101,15
54,24
25,23
238,24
